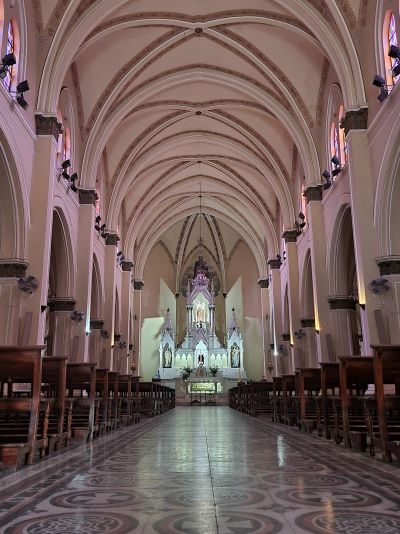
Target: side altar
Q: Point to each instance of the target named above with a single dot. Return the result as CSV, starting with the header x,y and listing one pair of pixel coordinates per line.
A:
x,y
201,350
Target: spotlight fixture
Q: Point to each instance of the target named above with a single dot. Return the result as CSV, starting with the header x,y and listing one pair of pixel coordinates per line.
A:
x,y
23,87
119,253
300,225
300,334
66,164
73,177
77,316
380,82
328,180
396,70
97,223
336,162
394,52
21,101
9,60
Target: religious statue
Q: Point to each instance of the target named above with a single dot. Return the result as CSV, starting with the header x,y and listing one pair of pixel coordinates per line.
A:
x,y
167,357
200,267
235,356
200,312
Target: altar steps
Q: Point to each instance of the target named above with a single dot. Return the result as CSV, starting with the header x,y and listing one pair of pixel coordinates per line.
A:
x,y
182,399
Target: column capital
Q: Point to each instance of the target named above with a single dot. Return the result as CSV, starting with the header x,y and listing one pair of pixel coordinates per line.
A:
x,y
389,265
307,322
290,236
112,239
13,268
138,285
47,125
275,263
61,304
263,283
313,193
96,324
127,265
355,119
342,303
87,196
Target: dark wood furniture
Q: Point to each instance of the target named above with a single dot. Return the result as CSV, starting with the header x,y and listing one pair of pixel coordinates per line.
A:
x,y
81,386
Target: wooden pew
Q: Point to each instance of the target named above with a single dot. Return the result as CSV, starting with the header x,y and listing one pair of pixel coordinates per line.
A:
x,y
21,430
288,399
387,371
81,386
147,397
125,399
135,380
330,383
113,405
308,388
260,398
54,378
356,373
101,392
277,399
232,396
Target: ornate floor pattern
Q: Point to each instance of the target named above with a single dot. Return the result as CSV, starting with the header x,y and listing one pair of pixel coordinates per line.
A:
x,y
203,470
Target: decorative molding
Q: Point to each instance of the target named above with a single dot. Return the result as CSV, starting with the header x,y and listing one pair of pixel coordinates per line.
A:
x,y
96,324
138,285
112,239
127,265
275,263
322,86
263,283
389,265
47,125
87,196
59,304
342,303
355,119
290,236
307,322
313,193
13,268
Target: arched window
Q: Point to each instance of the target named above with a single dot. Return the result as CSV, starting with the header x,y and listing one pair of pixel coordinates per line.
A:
x,y
335,149
342,139
389,39
12,47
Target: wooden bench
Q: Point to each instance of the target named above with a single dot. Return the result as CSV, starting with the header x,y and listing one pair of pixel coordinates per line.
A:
x,y
288,399
101,394
54,378
277,399
147,395
308,387
23,420
387,371
113,406
81,385
330,383
260,398
356,373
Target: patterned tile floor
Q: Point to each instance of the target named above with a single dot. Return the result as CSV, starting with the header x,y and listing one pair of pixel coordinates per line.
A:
x,y
203,471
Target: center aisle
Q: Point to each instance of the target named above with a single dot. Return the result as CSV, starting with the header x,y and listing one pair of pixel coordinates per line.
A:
x,y
203,470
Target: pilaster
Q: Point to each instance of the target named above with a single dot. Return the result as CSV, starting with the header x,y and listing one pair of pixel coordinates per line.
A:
x,y
275,303
126,312
322,317
265,315
12,301
362,210
41,212
109,310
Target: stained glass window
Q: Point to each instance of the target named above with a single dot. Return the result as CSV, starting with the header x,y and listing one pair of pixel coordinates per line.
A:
x,y
342,140
335,148
392,40
10,49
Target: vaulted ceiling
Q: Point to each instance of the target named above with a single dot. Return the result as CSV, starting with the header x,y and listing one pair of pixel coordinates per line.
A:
x,y
172,94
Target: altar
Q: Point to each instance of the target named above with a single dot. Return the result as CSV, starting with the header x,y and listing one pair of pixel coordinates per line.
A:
x,y
201,351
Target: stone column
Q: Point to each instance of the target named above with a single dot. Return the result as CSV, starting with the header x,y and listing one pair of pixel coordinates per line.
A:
x,y
290,237
109,310
320,280
344,319
62,339
44,174
362,210
264,285
12,330
126,302
83,287
211,307
137,307
309,342
276,307
95,341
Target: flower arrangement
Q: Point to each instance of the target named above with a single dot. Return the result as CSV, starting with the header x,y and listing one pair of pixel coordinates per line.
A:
x,y
214,370
186,372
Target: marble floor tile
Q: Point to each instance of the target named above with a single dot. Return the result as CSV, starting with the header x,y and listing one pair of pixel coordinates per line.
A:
x,y
203,471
